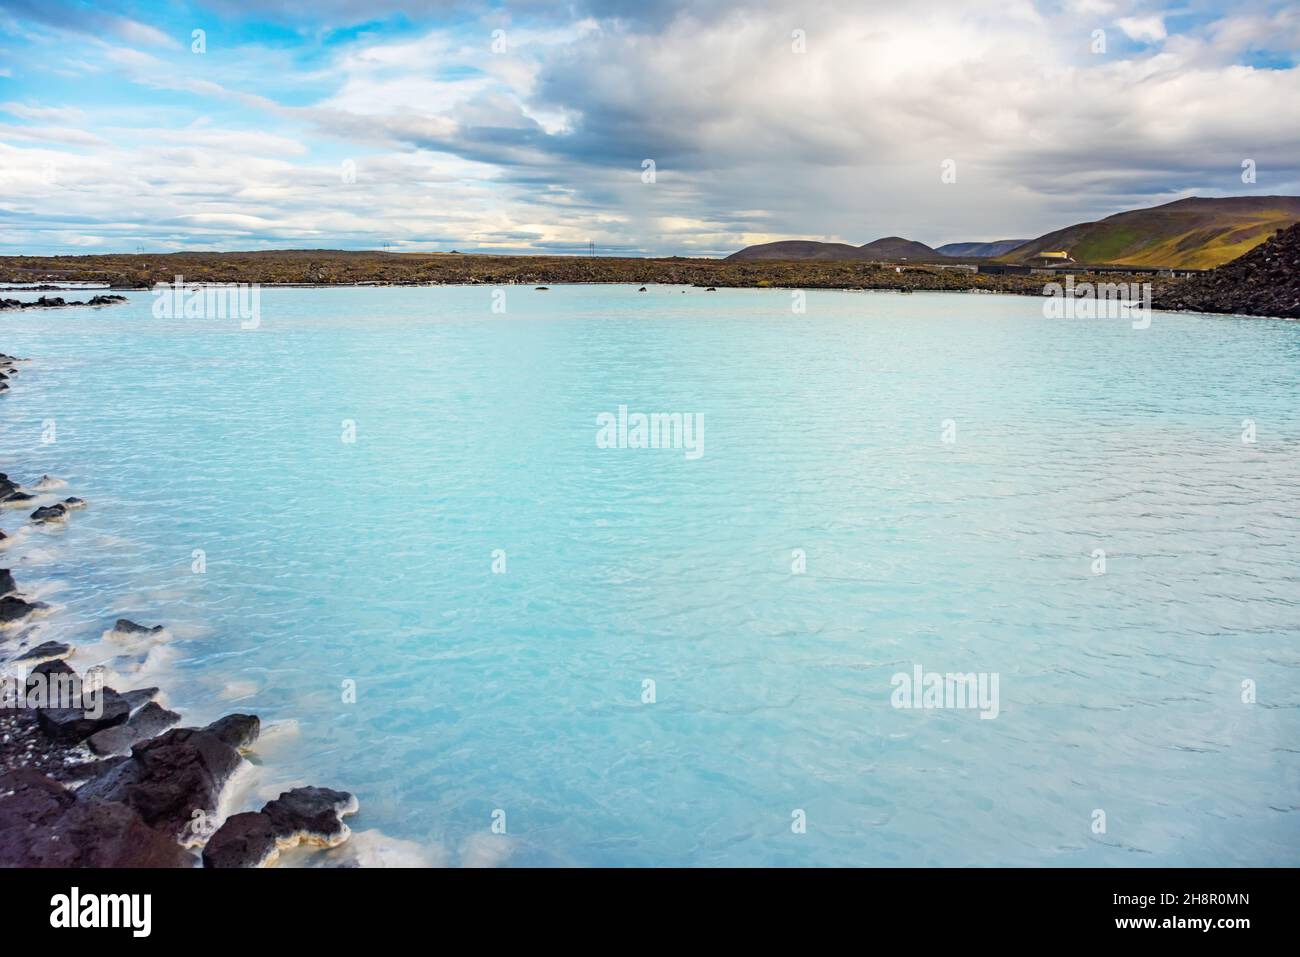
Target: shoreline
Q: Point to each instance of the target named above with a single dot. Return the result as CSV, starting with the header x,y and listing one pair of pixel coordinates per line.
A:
x,y
91,776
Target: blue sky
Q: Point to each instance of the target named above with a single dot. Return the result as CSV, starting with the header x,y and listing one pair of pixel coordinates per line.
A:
x,y
524,126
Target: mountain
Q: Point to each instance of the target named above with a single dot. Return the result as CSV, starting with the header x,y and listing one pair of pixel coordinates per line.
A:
x,y
1195,233
998,247
890,248
798,249
1263,282
893,248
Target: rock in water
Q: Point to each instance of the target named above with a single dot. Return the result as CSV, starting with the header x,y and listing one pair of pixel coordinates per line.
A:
x,y
7,585
127,627
244,840
169,778
13,608
47,651
101,709
240,731
43,824
301,816
50,513
149,722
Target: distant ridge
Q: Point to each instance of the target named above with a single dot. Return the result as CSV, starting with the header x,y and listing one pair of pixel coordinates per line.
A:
x,y
996,248
1193,233
888,248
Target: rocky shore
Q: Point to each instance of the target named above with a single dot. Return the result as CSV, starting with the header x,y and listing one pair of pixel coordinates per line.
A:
x,y
54,302
1263,282
96,776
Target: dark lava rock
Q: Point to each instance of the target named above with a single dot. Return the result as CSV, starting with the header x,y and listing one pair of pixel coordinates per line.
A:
x,y
13,608
17,497
43,824
149,722
243,840
240,731
102,708
50,513
57,667
139,698
7,585
169,778
303,815
642,289
47,651
73,502
1263,282
314,815
127,627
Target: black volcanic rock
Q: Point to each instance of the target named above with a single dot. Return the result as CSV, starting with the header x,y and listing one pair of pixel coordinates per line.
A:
x,y
240,731
127,627
46,651
301,816
244,840
13,608
7,585
43,824
148,722
170,778
101,708
1263,282
50,513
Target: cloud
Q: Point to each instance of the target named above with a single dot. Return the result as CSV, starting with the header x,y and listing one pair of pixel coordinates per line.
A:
x,y
1149,29
541,146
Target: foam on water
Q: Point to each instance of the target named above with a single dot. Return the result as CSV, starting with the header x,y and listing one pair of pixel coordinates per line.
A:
x,y
475,693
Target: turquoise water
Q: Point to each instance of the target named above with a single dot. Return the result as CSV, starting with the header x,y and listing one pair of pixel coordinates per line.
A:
x,y
372,561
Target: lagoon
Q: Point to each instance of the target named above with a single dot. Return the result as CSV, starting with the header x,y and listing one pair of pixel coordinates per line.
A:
x,y
383,518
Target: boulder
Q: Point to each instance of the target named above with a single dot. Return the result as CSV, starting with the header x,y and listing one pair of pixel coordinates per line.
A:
x,y
13,608
301,816
43,824
148,722
244,840
103,708
50,513
127,627
73,502
311,815
240,731
139,698
170,778
7,585
46,651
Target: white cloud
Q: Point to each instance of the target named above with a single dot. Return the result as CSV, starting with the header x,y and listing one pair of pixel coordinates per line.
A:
x,y
1143,29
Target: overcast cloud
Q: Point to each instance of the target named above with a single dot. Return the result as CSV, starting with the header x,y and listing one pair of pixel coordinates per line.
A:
x,y
362,124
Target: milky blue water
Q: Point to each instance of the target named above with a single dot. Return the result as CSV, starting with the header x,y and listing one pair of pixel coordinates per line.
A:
x,y
524,691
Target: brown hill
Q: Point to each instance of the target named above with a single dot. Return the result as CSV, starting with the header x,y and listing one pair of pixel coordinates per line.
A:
x,y
1195,233
888,249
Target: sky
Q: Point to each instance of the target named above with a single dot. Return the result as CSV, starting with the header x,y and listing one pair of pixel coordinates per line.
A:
x,y
644,127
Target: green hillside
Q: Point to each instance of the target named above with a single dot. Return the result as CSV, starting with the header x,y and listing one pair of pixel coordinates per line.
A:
x,y
1194,233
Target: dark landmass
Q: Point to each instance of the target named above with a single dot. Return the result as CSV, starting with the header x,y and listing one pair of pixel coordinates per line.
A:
x,y
343,268
1193,233
890,249
1264,282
